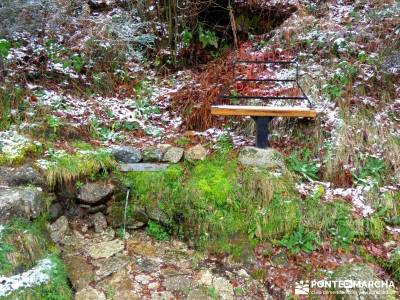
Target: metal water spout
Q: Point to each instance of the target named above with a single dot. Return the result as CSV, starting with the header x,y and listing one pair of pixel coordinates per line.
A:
x,y
126,209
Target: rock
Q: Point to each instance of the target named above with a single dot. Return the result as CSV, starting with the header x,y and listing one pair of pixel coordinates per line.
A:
x,y
141,248
105,249
79,271
178,283
166,295
59,229
195,153
55,211
153,154
280,259
23,175
148,265
224,288
262,158
94,193
173,154
95,209
361,273
243,273
126,154
22,202
73,210
156,214
198,294
143,167
111,265
391,64
121,284
143,279
89,293
135,225
99,222
140,215
204,277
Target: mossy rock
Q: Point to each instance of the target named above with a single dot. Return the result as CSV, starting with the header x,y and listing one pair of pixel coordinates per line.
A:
x,y
26,251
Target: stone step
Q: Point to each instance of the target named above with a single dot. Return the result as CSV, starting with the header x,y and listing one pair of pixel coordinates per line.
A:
x,y
143,167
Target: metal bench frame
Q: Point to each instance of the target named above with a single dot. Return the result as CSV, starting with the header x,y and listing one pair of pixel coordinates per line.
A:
x,y
262,122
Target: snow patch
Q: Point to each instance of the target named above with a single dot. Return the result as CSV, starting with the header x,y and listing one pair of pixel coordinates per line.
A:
x,y
35,276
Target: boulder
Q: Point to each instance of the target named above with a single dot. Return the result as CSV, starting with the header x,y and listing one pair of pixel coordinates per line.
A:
x,y
94,193
89,293
361,273
22,202
269,159
126,154
105,249
152,154
23,175
173,154
99,222
59,229
195,153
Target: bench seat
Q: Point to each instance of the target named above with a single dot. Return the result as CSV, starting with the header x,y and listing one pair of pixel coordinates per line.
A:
x,y
263,111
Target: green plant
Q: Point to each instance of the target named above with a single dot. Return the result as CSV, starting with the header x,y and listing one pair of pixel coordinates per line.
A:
x,y
212,292
156,231
208,38
5,47
343,229
344,75
300,162
187,36
300,240
54,123
371,172
79,184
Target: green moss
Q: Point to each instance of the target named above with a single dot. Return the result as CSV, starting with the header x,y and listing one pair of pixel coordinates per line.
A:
x,y
64,167
33,238
217,205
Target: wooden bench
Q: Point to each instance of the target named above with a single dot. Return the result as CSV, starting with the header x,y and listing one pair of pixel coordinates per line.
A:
x,y
262,115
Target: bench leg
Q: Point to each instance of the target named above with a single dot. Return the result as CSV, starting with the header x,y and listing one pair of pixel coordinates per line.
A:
x,y
262,131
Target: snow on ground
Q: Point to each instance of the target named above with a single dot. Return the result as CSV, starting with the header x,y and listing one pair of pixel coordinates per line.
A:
x,y
354,195
34,277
